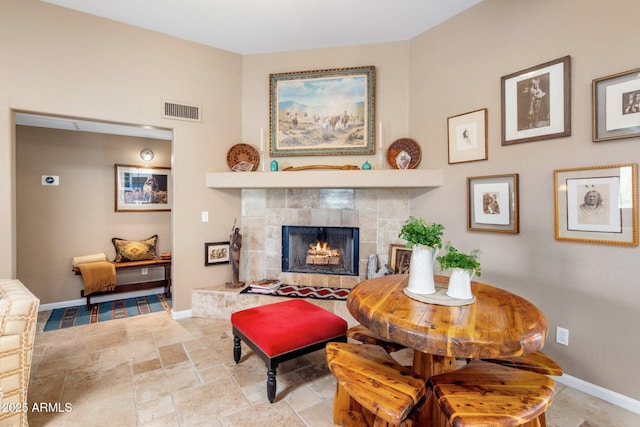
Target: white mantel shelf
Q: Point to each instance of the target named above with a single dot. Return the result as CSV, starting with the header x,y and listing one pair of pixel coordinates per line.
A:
x,y
327,178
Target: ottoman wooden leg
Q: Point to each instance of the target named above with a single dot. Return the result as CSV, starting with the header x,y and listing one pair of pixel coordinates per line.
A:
x,y
237,349
271,385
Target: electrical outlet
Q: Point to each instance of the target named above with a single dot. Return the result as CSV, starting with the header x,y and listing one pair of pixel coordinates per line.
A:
x,y
144,271
562,336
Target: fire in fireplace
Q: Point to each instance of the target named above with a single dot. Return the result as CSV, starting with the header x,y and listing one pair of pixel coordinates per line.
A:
x,y
320,250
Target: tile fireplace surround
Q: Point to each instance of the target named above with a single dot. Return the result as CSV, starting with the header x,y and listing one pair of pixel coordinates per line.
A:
x,y
379,213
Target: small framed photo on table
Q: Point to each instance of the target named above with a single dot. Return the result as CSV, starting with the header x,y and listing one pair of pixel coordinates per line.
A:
x,y
399,258
597,204
492,203
616,106
468,137
536,103
217,253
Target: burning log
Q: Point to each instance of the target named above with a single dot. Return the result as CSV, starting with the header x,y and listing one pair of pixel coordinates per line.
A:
x,y
322,254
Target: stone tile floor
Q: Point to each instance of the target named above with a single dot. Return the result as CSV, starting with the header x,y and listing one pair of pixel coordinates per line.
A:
x,y
151,370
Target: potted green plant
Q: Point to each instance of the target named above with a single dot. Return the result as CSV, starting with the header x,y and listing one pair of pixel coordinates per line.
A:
x,y
425,238
463,267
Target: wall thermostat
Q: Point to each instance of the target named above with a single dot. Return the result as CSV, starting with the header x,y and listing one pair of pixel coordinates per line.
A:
x,y
50,180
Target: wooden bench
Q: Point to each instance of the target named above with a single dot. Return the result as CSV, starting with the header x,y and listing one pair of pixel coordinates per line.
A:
x,y
136,265
537,362
485,393
365,336
392,393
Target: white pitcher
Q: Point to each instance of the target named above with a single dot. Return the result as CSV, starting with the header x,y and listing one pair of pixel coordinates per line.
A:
x,y
421,270
460,283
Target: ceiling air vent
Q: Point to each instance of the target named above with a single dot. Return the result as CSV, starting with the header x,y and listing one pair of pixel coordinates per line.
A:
x,y
177,111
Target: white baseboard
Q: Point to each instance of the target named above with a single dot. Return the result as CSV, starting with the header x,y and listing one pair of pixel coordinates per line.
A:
x,y
102,298
600,392
182,314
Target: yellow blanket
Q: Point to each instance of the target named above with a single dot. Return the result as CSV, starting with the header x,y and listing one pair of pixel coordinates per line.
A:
x,y
98,276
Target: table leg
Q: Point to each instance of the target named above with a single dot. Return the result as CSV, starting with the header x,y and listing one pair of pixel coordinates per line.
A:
x,y
427,365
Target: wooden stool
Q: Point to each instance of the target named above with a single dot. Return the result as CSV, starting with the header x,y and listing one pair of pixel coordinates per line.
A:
x,y
284,330
537,362
365,336
374,380
484,393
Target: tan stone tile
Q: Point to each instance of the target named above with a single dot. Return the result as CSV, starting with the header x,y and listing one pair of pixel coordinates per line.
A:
x,y
213,373
320,415
172,354
128,353
273,415
46,387
101,327
571,407
155,384
146,366
197,405
82,386
154,410
148,322
110,410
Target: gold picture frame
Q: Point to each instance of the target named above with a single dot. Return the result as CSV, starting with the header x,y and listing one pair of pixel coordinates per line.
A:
x,y
597,204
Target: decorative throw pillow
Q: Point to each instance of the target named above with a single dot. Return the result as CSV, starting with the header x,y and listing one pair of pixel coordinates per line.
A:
x,y
135,250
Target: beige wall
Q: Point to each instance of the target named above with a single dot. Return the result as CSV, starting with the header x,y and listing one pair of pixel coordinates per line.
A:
x,y
77,217
58,61
590,289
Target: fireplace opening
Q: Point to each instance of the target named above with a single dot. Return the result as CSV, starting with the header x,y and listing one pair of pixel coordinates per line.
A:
x,y
320,250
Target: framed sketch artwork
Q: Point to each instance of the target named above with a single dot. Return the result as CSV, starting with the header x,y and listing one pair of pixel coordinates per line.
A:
x,y
536,103
399,258
616,106
322,112
597,204
492,203
468,136
217,253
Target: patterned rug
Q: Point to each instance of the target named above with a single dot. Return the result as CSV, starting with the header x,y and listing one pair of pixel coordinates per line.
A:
x,y
295,291
74,316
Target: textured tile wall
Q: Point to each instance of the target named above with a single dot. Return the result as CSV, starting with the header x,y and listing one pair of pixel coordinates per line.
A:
x,y
379,213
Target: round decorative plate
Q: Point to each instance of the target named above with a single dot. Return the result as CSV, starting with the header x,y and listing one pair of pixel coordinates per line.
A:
x,y
404,153
240,153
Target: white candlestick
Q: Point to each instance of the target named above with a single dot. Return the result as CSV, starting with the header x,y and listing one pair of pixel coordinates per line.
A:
x,y
262,140
380,133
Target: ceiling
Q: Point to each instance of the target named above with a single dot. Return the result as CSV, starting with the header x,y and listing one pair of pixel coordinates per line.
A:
x,y
253,26
257,27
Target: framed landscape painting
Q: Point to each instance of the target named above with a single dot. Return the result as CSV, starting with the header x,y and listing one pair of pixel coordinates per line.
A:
x,y
142,188
322,112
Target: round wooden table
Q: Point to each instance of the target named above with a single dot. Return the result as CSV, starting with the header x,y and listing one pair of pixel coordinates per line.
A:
x,y
498,324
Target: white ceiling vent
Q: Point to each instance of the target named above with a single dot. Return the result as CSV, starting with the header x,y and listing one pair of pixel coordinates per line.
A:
x,y
181,111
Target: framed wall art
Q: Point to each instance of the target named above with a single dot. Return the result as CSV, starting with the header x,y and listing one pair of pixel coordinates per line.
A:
x,y
399,258
142,188
597,204
616,106
217,253
468,136
536,103
492,203
322,112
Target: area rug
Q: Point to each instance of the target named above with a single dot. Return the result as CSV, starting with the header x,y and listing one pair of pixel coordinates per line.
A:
x,y
74,316
296,291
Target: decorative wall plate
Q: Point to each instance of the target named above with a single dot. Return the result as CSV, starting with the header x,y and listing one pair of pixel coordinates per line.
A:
x,y
240,153
404,153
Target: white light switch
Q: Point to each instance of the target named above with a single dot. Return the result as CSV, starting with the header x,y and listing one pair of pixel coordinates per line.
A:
x,y
205,216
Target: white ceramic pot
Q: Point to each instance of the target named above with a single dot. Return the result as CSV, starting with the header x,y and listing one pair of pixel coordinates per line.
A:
x,y
460,283
421,270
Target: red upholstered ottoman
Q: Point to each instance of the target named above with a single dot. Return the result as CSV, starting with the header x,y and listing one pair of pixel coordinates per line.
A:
x,y
284,330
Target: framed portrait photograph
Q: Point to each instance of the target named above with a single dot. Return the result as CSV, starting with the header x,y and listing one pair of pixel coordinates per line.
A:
x,y
536,103
399,258
142,188
322,112
467,136
597,204
616,106
217,253
492,203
